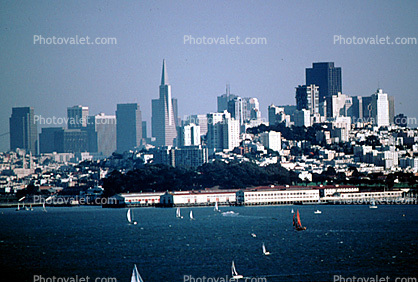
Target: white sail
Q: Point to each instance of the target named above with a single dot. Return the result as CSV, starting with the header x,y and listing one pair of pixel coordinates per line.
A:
x,y
233,270
191,215
265,252
292,211
18,206
216,207
43,207
178,214
235,274
128,216
136,277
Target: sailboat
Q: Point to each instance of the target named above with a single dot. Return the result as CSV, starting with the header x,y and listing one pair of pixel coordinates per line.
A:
x,y
30,208
235,274
130,217
18,207
373,204
216,208
191,215
296,222
178,214
265,252
136,277
43,207
292,211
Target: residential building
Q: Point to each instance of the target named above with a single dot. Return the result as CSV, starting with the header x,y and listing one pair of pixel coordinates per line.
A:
x,y
223,132
302,118
307,97
189,135
271,140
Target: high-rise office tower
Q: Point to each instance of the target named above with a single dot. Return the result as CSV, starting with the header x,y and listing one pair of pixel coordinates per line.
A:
x,y
128,126
341,105
253,109
278,115
224,99
357,109
48,140
307,97
23,130
380,108
71,141
77,117
367,108
231,131
237,107
244,109
328,78
214,136
391,100
144,129
101,130
164,114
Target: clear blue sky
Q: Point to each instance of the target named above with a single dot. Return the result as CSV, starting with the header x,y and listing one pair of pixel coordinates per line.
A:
x,y
52,77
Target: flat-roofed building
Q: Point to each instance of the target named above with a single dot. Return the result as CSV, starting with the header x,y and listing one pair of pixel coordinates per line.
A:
x,y
279,195
202,198
136,199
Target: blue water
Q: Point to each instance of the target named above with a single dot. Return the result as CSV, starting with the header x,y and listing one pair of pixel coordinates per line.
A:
x,y
95,242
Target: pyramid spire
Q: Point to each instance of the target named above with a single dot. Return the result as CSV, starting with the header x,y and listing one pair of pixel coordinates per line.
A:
x,y
164,77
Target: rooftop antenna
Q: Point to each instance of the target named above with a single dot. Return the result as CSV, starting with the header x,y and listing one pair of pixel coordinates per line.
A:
x,y
227,89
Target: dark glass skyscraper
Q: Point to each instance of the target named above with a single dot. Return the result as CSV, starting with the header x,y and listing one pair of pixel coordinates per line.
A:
x,y
328,78
23,130
128,127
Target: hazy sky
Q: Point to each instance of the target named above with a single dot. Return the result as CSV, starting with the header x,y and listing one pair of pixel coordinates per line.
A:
x,y
51,78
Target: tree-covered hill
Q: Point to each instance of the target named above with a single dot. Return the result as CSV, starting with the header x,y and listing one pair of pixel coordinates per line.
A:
x,y
160,178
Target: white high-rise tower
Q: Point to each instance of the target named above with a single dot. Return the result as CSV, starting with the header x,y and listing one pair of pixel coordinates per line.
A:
x,y
380,108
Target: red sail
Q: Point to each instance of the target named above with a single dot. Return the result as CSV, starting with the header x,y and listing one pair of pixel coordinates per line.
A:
x,y
299,223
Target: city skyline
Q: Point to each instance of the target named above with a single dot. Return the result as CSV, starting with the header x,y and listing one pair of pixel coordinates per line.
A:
x,y
167,127
51,78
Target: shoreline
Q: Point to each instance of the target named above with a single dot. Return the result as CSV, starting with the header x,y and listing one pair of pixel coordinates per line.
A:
x,y
411,201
